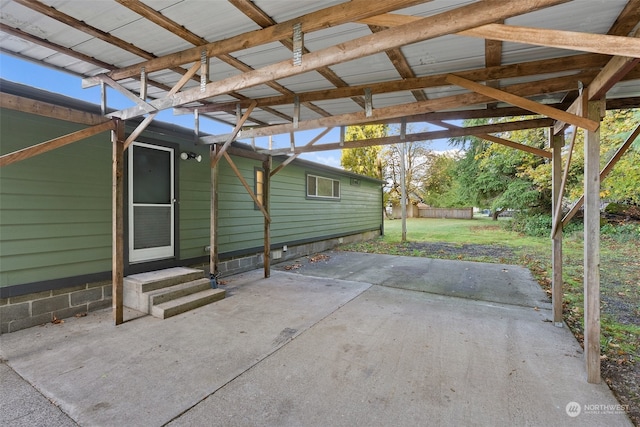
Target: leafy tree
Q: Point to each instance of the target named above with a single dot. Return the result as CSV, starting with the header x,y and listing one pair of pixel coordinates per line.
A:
x,y
491,175
440,187
364,160
495,176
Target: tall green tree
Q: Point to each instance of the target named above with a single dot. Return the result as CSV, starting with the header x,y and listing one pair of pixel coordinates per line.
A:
x,y
366,161
493,176
440,188
498,177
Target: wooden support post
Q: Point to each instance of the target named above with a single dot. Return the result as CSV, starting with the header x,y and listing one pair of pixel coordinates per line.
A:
x,y
403,184
592,246
213,231
117,221
556,142
266,165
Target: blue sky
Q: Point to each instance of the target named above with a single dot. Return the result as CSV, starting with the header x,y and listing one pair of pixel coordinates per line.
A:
x,y
52,80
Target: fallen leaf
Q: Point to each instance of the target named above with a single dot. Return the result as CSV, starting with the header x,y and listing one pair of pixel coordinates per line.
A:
x,y
57,321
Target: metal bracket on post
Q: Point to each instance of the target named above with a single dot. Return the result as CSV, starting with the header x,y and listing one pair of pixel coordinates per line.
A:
x,y
368,102
103,98
298,44
204,70
143,84
296,111
196,125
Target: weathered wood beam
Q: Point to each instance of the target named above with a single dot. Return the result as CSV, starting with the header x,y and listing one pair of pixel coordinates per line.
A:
x,y
498,140
222,150
246,186
55,47
590,63
605,171
556,142
612,73
45,109
117,221
627,20
591,274
524,103
324,18
464,17
52,144
179,30
401,65
258,16
557,213
423,136
295,156
149,119
571,40
417,109
213,215
266,200
587,42
139,100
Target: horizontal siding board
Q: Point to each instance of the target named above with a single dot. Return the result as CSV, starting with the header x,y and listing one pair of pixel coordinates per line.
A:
x,y
55,212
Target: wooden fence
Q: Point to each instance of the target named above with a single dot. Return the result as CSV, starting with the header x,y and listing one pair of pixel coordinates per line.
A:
x,y
460,213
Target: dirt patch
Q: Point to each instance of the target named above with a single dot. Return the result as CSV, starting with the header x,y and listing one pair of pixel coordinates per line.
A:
x,y
450,250
623,380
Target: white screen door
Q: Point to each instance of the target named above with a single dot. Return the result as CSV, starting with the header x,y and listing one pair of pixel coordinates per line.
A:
x,y
151,202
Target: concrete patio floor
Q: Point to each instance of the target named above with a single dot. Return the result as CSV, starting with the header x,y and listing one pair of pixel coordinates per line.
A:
x,y
351,340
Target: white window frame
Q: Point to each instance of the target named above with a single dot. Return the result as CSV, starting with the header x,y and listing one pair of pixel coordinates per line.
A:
x,y
334,183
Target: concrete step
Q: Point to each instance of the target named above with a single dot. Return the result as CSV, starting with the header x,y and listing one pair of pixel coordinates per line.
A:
x,y
137,287
152,280
160,296
186,303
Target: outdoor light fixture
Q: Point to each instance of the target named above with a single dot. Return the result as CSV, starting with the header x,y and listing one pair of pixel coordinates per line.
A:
x,y
186,155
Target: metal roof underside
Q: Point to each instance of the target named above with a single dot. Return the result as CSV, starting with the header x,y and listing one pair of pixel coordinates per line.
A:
x,y
127,36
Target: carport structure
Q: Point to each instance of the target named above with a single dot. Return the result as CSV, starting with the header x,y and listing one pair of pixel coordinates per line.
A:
x,y
268,67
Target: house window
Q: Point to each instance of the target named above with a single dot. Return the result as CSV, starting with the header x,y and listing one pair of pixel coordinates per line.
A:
x,y
259,187
321,187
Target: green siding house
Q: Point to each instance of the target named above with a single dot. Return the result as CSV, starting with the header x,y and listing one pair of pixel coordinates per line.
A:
x,y
56,218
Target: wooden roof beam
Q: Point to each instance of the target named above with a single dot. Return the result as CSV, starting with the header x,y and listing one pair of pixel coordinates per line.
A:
x,y
258,16
587,42
498,140
444,23
615,70
179,30
384,113
576,62
324,18
52,144
524,103
401,64
420,136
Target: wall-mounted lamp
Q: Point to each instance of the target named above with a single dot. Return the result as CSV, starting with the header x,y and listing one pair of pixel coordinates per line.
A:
x,y
186,155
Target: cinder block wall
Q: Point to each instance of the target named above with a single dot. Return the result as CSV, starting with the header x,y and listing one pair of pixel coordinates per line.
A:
x,y
242,264
35,309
